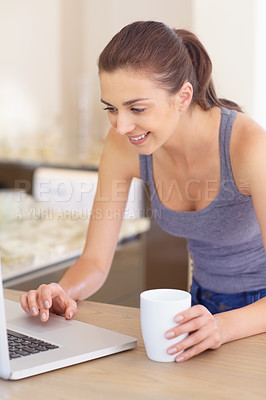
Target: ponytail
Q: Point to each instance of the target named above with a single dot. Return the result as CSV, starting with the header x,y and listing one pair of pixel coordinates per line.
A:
x,y
204,91
169,57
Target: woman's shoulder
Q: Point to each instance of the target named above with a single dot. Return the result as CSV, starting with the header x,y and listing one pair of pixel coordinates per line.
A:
x,y
120,156
247,147
247,134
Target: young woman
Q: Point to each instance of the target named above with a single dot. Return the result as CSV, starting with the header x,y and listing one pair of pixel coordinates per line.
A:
x,y
204,161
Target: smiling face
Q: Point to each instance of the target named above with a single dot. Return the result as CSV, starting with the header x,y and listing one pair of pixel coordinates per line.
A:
x,y
140,109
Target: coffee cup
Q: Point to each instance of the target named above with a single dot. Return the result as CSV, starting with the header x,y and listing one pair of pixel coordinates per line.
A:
x,y
158,307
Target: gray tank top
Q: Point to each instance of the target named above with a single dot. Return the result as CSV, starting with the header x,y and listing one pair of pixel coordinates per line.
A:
x,y
224,238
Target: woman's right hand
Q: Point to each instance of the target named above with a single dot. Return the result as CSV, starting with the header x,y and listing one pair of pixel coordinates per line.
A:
x,y
48,298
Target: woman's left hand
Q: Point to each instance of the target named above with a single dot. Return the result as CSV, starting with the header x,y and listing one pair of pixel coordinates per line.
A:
x,y
204,333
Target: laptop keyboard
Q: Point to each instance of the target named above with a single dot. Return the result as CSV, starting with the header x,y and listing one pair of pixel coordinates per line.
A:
x,y
21,345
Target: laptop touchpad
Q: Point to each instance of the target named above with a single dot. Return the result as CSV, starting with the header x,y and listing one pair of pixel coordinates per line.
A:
x,y
35,325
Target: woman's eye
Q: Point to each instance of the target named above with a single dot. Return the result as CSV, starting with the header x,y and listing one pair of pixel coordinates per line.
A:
x,y
110,109
137,109
134,109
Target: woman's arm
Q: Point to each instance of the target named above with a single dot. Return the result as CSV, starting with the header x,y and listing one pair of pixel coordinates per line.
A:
x,y
117,167
248,159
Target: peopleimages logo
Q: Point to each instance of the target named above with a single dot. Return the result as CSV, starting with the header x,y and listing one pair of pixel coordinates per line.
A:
x,y
75,192
65,190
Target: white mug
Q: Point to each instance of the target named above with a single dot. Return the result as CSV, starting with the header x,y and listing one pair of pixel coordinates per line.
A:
x,y
158,307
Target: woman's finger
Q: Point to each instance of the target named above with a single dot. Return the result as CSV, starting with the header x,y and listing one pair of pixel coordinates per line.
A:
x,y
33,302
24,303
56,290
71,310
62,303
186,327
193,312
194,350
43,303
192,320
189,341
45,295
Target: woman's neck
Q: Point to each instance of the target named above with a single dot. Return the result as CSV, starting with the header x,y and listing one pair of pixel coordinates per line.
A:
x,y
197,133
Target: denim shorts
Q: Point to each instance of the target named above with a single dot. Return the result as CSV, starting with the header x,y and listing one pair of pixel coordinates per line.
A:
x,y
220,302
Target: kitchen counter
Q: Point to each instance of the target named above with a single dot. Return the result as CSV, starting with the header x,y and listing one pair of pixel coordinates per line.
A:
x,y
34,237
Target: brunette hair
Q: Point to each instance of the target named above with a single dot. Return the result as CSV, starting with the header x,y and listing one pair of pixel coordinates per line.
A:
x,y
169,56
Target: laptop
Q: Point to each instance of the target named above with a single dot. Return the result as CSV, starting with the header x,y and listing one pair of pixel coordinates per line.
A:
x,y
35,347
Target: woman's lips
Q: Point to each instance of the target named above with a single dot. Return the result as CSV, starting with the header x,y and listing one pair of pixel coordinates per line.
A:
x,y
139,139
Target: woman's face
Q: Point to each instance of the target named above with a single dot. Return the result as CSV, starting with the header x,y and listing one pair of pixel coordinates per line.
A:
x,y
137,108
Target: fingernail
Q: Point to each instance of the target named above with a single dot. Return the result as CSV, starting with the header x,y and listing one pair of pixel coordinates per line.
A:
x,y
71,314
46,304
173,350
28,311
169,335
179,359
179,318
43,316
34,311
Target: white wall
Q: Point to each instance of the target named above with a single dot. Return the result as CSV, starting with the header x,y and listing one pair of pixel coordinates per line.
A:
x,y
29,65
227,30
234,34
259,89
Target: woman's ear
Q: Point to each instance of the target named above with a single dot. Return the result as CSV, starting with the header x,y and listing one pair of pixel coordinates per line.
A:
x,y
185,95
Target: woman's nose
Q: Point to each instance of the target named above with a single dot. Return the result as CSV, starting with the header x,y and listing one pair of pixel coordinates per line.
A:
x,y
124,125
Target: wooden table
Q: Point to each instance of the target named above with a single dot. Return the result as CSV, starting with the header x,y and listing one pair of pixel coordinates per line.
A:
x,y
235,371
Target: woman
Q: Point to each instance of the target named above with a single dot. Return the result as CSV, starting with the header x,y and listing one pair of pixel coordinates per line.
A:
x,y
204,161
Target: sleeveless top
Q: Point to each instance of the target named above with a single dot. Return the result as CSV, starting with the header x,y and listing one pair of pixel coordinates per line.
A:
x,y
224,238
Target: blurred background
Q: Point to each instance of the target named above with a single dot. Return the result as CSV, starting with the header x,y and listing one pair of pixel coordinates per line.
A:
x,y
49,92
51,118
